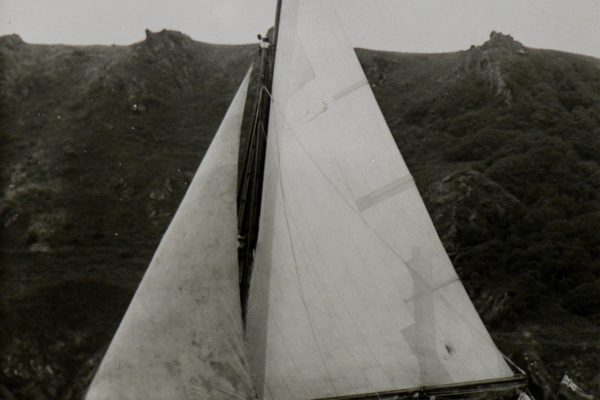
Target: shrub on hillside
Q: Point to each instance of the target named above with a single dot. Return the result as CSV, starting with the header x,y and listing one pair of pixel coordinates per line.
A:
x,y
584,299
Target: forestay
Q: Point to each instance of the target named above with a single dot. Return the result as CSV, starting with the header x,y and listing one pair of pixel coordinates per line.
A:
x,y
181,337
352,291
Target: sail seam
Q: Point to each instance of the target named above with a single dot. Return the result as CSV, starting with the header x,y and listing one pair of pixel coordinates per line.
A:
x,y
348,202
292,247
385,192
295,135
382,240
356,325
297,272
434,289
350,89
345,200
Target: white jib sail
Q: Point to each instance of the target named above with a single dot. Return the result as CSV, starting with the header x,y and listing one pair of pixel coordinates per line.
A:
x,y
182,335
352,291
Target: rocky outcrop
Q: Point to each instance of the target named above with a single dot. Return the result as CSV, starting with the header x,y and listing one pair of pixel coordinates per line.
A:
x,y
11,42
489,61
468,208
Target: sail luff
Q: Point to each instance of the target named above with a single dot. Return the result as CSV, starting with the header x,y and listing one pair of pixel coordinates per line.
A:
x,y
352,291
182,335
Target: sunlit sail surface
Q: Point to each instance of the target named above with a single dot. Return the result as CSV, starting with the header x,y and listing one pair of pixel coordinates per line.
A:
x,y
352,291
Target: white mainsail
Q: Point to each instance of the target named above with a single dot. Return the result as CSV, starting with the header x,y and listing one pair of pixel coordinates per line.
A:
x,y
352,291
182,335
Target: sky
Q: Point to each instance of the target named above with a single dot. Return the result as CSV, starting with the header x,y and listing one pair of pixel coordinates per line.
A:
x,y
399,25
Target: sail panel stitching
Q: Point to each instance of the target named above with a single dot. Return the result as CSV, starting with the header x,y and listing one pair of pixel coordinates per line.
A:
x,y
377,234
285,214
294,258
337,190
349,89
385,192
434,289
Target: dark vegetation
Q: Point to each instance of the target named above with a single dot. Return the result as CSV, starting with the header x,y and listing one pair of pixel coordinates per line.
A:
x,y
504,143
97,145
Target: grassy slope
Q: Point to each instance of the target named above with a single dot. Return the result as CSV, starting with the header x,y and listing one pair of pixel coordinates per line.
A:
x,y
503,142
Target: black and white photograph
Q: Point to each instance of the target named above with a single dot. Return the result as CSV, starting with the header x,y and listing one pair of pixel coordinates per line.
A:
x,y
299,200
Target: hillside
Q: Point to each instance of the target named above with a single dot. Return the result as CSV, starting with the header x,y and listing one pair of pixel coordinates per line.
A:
x,y
98,144
504,143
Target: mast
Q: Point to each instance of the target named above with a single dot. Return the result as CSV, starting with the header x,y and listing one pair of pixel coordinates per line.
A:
x,y
251,178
